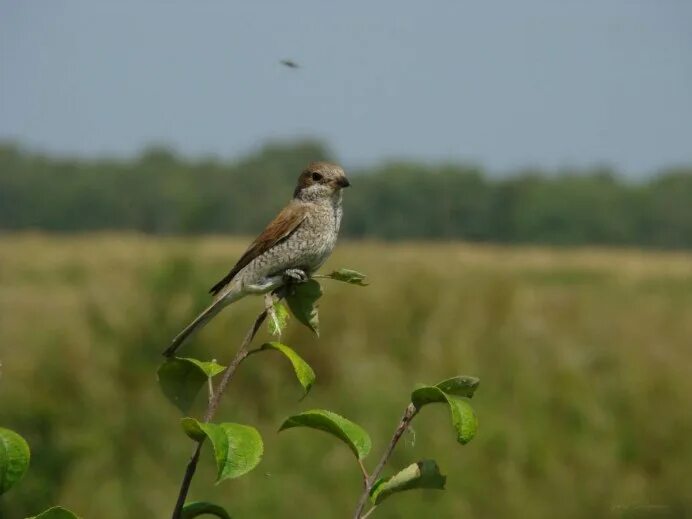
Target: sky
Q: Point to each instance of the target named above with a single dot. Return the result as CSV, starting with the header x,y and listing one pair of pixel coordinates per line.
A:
x,y
502,84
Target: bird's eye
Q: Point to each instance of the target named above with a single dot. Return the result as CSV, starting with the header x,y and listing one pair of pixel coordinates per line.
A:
x,y
316,177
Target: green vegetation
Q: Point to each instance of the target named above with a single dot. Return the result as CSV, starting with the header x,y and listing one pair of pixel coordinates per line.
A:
x,y
584,357
14,459
238,448
160,192
14,462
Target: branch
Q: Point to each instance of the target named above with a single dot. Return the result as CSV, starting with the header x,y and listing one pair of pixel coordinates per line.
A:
x,y
276,286
410,412
214,401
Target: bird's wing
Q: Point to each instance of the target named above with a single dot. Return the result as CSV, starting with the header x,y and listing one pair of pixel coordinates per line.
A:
x,y
285,224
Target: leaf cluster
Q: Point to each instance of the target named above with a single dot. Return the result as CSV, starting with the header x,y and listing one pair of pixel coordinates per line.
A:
x,y
238,448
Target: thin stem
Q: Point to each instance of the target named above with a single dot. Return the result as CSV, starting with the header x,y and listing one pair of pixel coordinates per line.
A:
x,y
239,357
214,401
210,388
364,471
410,412
367,514
187,479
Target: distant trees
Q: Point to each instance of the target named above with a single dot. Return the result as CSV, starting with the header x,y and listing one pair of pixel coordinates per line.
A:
x,y
161,192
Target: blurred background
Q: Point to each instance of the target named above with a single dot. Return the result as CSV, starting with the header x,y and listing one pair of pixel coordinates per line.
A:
x,y
521,202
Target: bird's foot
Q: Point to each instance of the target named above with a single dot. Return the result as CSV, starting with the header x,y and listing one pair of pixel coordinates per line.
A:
x,y
262,286
295,276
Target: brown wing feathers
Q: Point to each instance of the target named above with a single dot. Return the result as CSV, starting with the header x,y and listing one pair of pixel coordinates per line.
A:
x,y
285,224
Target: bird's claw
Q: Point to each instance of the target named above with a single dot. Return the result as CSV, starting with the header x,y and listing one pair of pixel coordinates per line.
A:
x,y
295,276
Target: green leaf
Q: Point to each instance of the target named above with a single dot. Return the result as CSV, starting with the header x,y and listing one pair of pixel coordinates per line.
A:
x,y
181,379
422,474
350,433
56,512
459,386
278,318
302,301
210,368
463,417
304,373
14,459
193,428
349,276
197,508
427,395
237,448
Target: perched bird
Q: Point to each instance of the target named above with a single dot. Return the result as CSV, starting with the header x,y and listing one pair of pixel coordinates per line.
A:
x,y
294,245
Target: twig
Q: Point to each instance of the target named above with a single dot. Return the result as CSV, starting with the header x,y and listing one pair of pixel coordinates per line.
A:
x,y
214,401
187,479
364,471
210,388
410,412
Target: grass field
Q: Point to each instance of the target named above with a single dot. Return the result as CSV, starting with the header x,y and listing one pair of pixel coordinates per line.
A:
x,y
584,358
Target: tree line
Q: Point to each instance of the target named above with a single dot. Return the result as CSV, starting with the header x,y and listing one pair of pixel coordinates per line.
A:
x,y
161,192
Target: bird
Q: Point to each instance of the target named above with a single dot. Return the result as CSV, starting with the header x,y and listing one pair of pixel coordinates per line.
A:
x,y
289,63
294,245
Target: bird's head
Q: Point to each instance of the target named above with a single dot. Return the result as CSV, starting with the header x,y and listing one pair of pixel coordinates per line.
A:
x,y
320,180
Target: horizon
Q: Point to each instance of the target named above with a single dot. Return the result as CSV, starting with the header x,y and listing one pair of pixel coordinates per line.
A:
x,y
425,164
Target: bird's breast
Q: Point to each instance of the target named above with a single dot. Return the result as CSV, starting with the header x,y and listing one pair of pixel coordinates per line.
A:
x,y
308,247
319,233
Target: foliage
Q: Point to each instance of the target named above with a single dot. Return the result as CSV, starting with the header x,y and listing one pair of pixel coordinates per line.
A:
x,y
181,379
302,300
348,276
161,192
237,448
453,392
422,474
350,433
278,318
14,459
304,373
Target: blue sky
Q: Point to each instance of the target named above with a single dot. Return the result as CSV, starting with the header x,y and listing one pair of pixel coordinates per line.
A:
x,y
502,84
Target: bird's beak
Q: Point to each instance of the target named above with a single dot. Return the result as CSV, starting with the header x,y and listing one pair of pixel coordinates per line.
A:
x,y
343,182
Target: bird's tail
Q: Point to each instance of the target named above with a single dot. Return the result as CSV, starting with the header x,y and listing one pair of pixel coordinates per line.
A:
x,y
200,321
